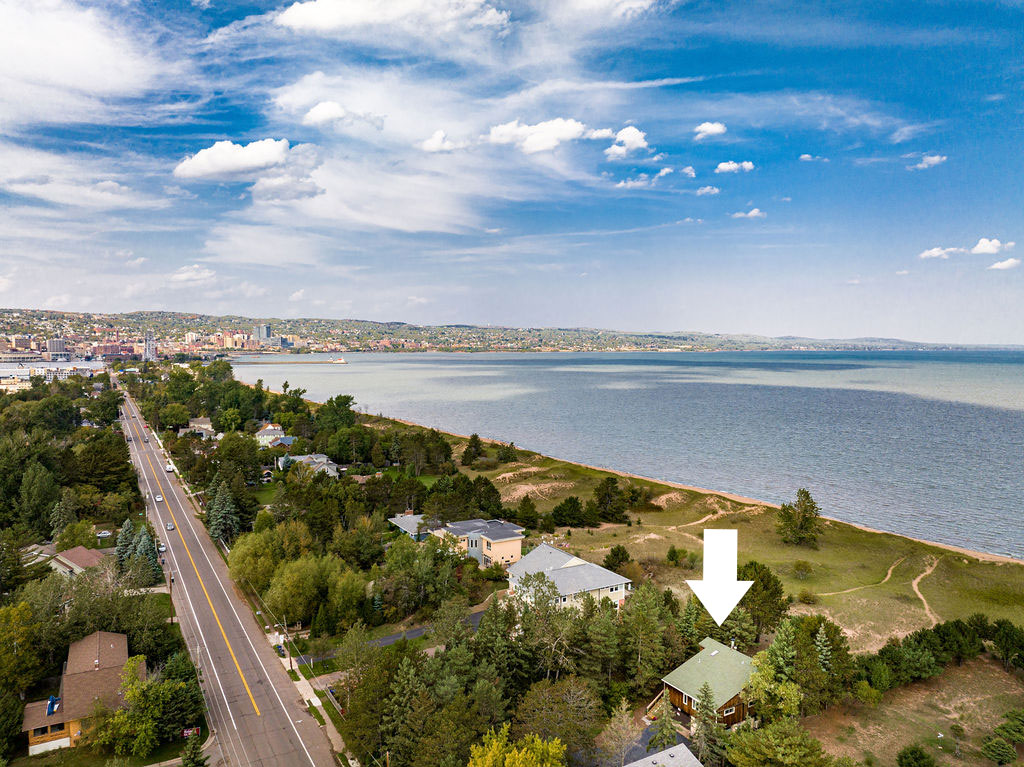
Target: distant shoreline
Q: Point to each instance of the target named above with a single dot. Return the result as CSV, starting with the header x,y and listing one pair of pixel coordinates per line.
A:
x,y
981,556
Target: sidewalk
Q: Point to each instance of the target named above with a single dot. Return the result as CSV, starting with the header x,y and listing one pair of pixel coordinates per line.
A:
x,y
308,695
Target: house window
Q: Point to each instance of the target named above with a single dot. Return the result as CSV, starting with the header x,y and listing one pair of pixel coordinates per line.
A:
x,y
613,589
687,700
59,727
39,731
487,560
729,711
488,545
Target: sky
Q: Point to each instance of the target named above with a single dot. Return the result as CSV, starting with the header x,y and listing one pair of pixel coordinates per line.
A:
x,y
836,169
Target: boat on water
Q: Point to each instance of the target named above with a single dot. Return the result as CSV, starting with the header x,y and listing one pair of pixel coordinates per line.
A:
x,y
339,361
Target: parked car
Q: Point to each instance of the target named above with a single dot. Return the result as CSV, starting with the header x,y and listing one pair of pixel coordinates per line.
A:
x,y
280,650
128,439
161,548
159,499
170,525
104,534
169,467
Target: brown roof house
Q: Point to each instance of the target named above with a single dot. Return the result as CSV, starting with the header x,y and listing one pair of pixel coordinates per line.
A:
x,y
92,674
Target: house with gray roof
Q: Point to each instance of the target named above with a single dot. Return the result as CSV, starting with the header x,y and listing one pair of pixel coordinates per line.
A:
x,y
676,756
573,577
489,541
315,461
724,669
412,525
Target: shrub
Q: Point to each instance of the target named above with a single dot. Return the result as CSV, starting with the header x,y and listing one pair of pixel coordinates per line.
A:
x,y
998,750
915,756
801,569
808,597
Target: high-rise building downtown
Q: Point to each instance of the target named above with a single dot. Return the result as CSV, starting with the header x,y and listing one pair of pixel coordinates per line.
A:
x,y
262,332
149,348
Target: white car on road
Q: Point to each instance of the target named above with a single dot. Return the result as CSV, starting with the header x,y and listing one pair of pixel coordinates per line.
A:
x,y
159,499
103,534
168,467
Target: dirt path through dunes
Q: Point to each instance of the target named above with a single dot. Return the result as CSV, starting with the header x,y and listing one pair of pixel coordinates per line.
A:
x,y
927,607
888,575
702,520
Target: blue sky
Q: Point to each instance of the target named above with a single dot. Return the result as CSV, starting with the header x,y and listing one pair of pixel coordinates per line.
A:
x,y
830,169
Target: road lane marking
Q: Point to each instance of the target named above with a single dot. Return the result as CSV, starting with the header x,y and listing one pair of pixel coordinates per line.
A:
x,y
198,629
202,585
256,654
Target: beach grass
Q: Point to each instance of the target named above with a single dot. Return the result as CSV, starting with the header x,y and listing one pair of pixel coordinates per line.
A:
x,y
862,579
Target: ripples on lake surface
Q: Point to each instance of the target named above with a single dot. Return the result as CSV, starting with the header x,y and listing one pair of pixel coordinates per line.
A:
x,y
928,444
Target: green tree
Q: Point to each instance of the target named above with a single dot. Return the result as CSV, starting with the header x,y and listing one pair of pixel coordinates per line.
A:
x,y
497,750
616,557
780,744
800,523
222,516
643,643
914,756
174,416
76,534
707,735
38,493
11,714
474,450
19,648
526,512
64,512
507,453
125,543
664,735
192,754
610,501
997,750
765,600
568,710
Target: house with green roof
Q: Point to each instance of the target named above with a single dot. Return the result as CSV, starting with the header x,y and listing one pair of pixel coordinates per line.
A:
x,y
726,671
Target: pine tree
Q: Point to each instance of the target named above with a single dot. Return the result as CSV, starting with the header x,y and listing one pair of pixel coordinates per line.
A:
x,y
125,544
63,512
406,689
145,554
824,649
474,449
707,733
603,641
192,755
223,523
664,735
782,652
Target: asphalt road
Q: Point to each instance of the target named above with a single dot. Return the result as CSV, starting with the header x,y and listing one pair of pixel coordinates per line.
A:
x,y
253,706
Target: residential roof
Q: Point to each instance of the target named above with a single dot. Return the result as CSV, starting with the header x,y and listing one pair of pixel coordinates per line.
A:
x,y
408,523
92,672
676,756
81,557
494,529
267,428
570,574
725,669
102,649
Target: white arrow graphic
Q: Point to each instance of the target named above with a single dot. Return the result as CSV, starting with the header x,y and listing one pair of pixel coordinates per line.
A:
x,y
720,592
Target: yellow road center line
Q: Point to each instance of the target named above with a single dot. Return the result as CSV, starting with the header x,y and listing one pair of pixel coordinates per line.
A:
x,y
202,585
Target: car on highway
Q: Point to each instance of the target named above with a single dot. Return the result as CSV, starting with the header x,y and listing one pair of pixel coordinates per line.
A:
x,y
168,467
104,534
145,439
169,525
159,499
128,439
161,548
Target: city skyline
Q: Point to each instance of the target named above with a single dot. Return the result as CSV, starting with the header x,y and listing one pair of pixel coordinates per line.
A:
x,y
626,164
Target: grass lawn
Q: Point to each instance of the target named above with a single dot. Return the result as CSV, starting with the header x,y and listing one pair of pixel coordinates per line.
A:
x,y
976,695
315,713
864,581
265,494
84,757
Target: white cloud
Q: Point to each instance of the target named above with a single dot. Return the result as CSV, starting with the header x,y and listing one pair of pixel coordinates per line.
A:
x,y
627,140
192,274
435,15
1010,263
987,247
705,129
731,166
226,159
752,213
298,295
939,252
135,261
324,112
902,272
541,137
812,158
439,142
706,190
643,180
689,172
928,161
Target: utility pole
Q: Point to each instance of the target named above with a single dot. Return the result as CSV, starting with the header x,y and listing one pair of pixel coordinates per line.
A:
x,y
287,640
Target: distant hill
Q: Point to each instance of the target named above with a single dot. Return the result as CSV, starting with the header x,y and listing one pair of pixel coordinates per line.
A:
x,y
402,336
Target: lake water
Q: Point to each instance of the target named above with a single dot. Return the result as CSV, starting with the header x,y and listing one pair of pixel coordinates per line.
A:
x,y
928,444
